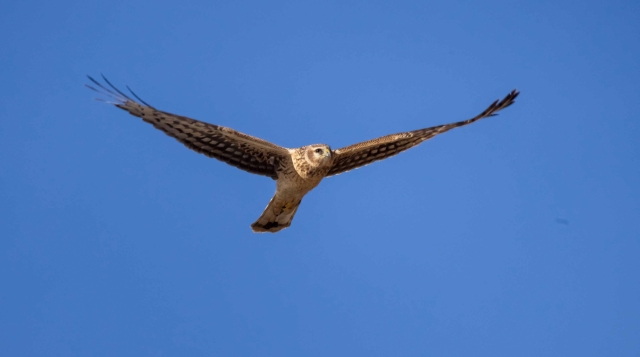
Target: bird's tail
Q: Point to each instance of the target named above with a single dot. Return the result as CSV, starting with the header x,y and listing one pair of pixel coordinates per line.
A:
x,y
278,215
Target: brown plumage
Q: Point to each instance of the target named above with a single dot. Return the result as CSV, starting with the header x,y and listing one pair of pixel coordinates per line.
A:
x,y
296,171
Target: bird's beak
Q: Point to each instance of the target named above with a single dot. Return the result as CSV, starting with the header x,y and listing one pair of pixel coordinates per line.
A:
x,y
327,153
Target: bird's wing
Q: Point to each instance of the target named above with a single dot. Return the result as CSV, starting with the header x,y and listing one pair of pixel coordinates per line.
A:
x,y
364,153
243,151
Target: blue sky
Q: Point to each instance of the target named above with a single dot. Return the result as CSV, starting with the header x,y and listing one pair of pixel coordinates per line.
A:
x,y
515,236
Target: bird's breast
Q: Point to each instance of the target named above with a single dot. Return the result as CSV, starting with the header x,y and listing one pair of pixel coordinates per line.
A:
x,y
292,181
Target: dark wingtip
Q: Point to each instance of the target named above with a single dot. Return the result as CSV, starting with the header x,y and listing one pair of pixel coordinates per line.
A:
x,y
138,98
114,87
497,106
509,99
514,94
100,88
112,91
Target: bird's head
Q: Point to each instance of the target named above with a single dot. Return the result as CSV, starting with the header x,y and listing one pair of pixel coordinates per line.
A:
x,y
318,155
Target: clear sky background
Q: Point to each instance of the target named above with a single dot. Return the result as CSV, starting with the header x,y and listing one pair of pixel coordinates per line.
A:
x,y
516,236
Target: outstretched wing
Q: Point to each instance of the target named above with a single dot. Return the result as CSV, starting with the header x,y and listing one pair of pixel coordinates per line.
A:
x,y
243,151
364,153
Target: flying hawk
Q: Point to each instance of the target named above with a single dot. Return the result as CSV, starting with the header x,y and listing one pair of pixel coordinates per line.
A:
x,y
296,171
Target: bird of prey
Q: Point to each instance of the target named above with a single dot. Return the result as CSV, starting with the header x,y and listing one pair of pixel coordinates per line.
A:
x,y
296,171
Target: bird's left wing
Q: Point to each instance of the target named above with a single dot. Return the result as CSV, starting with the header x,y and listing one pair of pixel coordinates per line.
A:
x,y
364,153
243,151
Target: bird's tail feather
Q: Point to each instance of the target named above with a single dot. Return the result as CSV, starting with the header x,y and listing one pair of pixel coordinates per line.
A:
x,y
277,216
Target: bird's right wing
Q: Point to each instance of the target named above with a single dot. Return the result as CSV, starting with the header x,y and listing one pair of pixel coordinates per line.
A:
x,y
243,151
364,153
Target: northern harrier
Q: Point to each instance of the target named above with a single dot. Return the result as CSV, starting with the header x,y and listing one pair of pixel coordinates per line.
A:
x,y
296,171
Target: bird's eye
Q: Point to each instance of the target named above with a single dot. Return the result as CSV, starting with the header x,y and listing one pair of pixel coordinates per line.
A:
x,y
318,151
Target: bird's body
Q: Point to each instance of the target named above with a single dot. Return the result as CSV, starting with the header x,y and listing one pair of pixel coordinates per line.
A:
x,y
296,171
296,178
